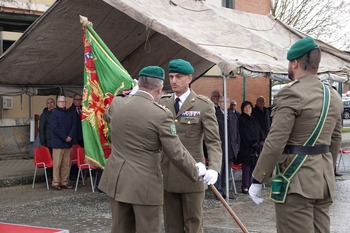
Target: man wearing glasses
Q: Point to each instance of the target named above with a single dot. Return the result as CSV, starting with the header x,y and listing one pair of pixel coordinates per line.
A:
x,y
63,125
76,108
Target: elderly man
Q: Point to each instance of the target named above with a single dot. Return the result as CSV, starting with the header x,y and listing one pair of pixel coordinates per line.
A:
x,y
304,136
132,179
262,114
195,121
233,140
215,95
63,127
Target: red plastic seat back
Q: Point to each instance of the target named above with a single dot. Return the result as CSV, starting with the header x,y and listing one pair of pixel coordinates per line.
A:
x,y
80,156
236,166
74,152
42,155
81,160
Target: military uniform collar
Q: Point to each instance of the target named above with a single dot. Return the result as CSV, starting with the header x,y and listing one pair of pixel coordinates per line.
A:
x,y
184,96
144,94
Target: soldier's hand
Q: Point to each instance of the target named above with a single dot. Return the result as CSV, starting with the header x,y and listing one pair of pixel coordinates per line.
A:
x,y
255,193
201,169
210,177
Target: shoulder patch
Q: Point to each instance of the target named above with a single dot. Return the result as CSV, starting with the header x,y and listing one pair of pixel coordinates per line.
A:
x,y
292,83
205,98
166,96
160,106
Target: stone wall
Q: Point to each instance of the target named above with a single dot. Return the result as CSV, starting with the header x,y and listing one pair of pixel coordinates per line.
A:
x,y
14,138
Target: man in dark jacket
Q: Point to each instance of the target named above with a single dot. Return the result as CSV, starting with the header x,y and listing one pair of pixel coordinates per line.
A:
x,y
63,127
233,140
76,108
45,132
262,114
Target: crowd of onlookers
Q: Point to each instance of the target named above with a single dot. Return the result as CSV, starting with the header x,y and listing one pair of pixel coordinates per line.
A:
x,y
60,128
246,131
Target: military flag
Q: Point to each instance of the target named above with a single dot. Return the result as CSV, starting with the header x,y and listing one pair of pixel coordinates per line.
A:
x,y
104,78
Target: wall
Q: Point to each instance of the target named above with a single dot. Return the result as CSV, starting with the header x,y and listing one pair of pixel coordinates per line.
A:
x,y
253,6
21,106
14,138
15,126
254,88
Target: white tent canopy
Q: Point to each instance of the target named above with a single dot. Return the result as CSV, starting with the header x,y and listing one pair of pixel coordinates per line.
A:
x,y
151,32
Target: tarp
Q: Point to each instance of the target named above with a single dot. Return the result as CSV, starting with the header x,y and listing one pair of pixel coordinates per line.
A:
x,y
151,32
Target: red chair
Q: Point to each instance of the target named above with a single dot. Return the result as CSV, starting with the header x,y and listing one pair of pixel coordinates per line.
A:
x,y
234,168
42,159
73,156
84,167
341,159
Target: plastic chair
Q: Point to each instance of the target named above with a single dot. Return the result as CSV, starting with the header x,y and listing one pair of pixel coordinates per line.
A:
x,y
234,168
84,167
341,159
42,159
73,156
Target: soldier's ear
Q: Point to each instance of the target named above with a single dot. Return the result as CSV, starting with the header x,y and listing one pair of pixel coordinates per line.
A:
x,y
160,89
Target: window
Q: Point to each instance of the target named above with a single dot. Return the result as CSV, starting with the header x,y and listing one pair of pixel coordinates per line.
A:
x,y
228,4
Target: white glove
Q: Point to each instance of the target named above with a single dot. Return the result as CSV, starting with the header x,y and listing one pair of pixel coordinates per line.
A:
x,y
201,169
255,192
210,177
134,90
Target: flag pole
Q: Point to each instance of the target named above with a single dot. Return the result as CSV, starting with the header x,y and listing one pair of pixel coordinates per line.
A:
x,y
234,216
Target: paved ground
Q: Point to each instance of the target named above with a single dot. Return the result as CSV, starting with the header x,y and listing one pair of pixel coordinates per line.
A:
x,y
84,211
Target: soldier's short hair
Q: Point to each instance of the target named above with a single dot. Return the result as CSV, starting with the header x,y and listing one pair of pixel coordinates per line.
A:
x,y
149,83
311,60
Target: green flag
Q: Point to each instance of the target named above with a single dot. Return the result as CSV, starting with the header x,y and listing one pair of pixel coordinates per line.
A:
x,y
104,77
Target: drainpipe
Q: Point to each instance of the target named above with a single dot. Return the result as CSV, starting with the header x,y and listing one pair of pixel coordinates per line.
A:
x,y
244,88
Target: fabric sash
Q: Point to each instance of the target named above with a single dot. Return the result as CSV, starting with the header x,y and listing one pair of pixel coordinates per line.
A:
x,y
280,183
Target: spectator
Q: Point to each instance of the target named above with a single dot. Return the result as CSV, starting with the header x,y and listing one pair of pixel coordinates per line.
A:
x,y
63,125
233,141
233,106
262,114
45,132
251,135
76,109
215,95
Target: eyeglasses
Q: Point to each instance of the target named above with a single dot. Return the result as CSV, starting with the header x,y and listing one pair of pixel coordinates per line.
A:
x,y
77,99
61,101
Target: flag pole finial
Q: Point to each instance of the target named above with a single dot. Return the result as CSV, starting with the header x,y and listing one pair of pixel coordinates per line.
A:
x,y
84,20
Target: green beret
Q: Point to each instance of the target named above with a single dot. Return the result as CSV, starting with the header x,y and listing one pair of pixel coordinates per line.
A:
x,y
180,66
301,47
152,71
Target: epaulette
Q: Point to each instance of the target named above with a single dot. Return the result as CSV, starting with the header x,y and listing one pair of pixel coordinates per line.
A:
x,y
205,98
166,96
292,83
160,106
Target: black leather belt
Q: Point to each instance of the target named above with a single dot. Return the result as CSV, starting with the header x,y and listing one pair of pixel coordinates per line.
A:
x,y
310,150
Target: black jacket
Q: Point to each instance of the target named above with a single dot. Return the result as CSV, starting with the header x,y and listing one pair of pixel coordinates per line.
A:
x,y
232,132
251,138
45,132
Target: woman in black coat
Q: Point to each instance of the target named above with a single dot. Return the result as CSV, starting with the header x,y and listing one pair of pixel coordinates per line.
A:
x,y
250,145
